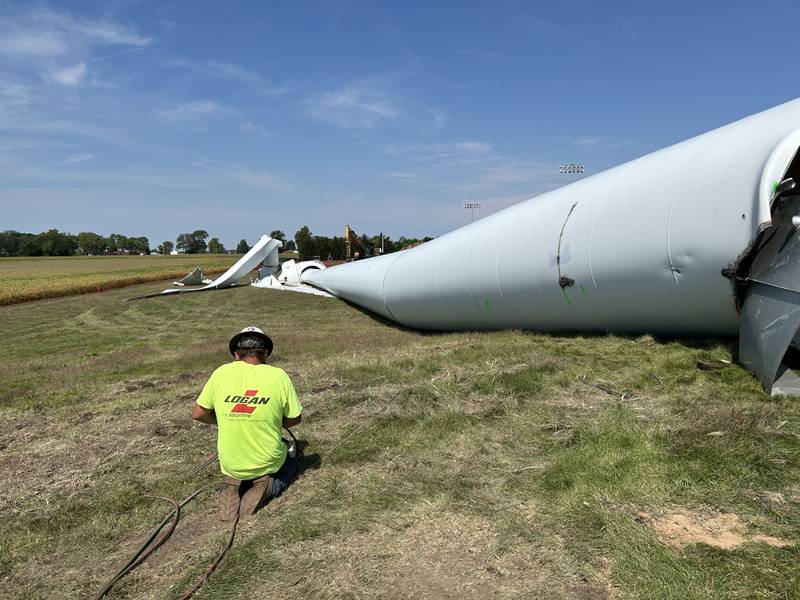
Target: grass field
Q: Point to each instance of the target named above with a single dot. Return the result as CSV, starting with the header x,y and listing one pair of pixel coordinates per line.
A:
x,y
34,277
469,465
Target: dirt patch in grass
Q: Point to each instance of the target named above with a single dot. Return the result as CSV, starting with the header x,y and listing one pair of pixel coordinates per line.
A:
x,y
134,385
771,541
324,386
63,461
430,554
484,406
779,498
719,530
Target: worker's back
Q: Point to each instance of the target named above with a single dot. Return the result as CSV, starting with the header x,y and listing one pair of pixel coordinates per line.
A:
x,y
250,402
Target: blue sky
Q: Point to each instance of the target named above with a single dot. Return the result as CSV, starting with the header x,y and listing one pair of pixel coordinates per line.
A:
x,y
153,118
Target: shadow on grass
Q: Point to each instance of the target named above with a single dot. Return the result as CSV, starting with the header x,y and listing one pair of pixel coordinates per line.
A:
x,y
696,343
308,462
389,323
182,291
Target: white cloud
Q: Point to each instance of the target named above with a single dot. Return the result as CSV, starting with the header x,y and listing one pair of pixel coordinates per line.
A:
x,y
358,105
70,76
361,105
254,129
44,50
242,75
192,116
454,153
33,123
518,172
438,116
103,31
243,176
30,44
77,158
55,43
588,141
41,32
131,176
600,141
229,72
14,93
513,176
400,176
493,204
473,148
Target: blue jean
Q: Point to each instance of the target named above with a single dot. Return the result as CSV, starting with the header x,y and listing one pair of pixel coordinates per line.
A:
x,y
284,476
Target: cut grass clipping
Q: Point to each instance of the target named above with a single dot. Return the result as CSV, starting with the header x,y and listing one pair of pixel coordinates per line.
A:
x,y
468,465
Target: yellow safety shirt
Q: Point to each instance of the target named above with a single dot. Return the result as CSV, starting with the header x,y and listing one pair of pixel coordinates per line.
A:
x,y
250,402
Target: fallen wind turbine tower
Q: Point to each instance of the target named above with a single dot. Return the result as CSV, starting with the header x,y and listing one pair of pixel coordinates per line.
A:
x,y
698,239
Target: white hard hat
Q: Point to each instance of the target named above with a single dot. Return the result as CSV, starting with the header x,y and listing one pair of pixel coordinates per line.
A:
x,y
254,331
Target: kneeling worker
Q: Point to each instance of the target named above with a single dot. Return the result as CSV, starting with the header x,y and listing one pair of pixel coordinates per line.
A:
x,y
250,402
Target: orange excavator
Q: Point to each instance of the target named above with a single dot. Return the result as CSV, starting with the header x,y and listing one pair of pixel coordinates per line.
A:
x,y
354,247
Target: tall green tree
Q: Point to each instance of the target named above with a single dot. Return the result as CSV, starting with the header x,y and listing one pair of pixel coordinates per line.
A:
x,y
57,243
242,247
11,241
138,245
117,243
91,243
215,247
31,246
199,237
305,243
194,242
278,235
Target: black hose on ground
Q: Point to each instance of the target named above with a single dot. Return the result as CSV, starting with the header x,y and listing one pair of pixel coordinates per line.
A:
x,y
141,555
145,550
213,566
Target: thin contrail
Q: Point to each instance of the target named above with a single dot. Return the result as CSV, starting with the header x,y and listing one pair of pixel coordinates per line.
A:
x,y
94,60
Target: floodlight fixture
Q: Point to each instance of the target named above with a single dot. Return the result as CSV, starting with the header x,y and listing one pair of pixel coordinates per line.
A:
x,y
472,207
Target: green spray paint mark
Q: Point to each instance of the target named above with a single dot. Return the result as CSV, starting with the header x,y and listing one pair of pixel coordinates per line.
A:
x,y
775,186
583,290
563,291
487,305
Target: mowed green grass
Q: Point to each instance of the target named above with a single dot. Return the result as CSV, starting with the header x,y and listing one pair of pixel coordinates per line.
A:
x,y
463,465
36,277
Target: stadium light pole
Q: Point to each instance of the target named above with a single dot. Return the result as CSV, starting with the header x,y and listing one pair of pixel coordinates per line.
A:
x,y
472,206
571,170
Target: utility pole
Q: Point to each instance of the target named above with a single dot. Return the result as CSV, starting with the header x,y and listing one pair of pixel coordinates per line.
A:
x,y
472,206
571,170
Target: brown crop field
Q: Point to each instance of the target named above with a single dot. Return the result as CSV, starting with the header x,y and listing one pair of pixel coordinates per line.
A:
x,y
36,277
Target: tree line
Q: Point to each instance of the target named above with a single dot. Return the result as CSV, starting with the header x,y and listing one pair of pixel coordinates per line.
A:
x,y
87,243
309,246
58,243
